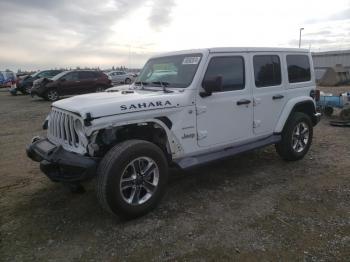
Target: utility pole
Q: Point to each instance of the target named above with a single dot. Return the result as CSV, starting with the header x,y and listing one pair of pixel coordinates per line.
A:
x,y
301,29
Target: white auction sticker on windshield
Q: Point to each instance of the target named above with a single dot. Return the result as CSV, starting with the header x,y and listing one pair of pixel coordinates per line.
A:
x,y
191,60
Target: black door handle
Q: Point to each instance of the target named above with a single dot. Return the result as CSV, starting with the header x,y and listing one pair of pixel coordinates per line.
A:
x,y
277,97
243,102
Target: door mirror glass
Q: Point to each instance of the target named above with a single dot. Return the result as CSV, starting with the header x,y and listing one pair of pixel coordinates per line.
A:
x,y
211,85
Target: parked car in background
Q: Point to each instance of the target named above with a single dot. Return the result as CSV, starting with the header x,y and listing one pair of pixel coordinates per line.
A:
x,y
25,84
121,77
7,78
71,83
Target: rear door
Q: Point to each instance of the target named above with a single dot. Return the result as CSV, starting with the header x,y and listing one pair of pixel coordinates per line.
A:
x,y
118,76
268,91
69,84
226,116
88,82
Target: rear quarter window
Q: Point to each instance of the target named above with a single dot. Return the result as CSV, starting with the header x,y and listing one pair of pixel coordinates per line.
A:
x,y
298,68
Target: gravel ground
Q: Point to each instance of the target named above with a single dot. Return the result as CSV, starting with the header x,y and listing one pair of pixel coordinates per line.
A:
x,y
252,207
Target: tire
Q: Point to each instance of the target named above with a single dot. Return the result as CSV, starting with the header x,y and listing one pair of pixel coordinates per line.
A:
x,y
26,90
117,168
52,95
328,111
294,144
100,89
127,81
345,114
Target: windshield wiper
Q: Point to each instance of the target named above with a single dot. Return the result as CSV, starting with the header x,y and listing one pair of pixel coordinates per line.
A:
x,y
163,85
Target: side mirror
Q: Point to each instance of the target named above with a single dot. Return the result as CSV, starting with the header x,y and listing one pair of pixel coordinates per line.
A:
x,y
211,85
62,79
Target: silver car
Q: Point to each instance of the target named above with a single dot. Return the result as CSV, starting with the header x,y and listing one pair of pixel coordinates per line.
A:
x,y
118,77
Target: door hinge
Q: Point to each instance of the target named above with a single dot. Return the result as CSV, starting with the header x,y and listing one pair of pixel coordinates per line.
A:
x,y
256,123
202,134
201,110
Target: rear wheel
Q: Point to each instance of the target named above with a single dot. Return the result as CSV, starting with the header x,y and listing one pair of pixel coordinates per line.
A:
x,y
345,114
132,178
52,95
100,89
296,137
328,111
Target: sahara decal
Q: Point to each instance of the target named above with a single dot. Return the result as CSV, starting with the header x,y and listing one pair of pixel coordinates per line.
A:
x,y
145,105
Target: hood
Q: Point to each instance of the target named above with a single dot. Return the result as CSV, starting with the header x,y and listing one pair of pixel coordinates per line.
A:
x,y
118,88
123,101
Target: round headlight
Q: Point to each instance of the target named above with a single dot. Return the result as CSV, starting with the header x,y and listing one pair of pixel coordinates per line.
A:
x,y
78,126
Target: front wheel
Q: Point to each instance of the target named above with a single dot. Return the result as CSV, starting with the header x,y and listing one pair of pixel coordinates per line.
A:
x,y
127,81
131,178
296,137
26,90
52,95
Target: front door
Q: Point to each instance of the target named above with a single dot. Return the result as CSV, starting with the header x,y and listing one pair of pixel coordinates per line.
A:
x,y
226,116
268,92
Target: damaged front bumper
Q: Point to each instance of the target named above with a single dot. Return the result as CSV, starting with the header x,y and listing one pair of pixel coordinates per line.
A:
x,y
59,164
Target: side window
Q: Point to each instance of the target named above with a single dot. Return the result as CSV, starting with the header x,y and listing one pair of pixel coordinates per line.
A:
x,y
73,76
267,70
86,75
298,68
53,73
44,74
230,68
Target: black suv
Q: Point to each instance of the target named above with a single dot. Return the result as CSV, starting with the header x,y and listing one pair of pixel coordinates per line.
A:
x,y
24,85
71,83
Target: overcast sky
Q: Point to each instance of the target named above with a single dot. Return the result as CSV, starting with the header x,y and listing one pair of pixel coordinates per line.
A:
x,y
39,34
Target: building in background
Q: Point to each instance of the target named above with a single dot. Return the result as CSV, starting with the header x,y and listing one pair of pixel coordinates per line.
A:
x,y
332,67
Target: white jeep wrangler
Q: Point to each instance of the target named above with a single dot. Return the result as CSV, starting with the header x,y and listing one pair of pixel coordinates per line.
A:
x,y
185,109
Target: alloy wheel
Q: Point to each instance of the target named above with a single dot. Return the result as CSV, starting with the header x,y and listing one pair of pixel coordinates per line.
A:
x,y
52,95
300,137
139,180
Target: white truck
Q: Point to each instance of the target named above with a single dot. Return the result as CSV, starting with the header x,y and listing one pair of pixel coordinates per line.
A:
x,y
185,109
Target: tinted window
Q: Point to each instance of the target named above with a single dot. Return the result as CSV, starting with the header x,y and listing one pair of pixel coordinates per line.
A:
x,y
298,68
87,75
71,76
44,74
267,70
231,69
55,72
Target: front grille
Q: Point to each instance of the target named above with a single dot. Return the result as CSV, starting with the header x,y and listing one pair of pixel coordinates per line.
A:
x,y
61,129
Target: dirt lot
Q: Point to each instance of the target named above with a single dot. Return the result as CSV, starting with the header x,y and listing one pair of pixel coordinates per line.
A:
x,y
253,207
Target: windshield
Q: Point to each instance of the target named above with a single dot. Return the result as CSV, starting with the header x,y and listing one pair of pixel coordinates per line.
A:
x,y
173,71
56,77
35,74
